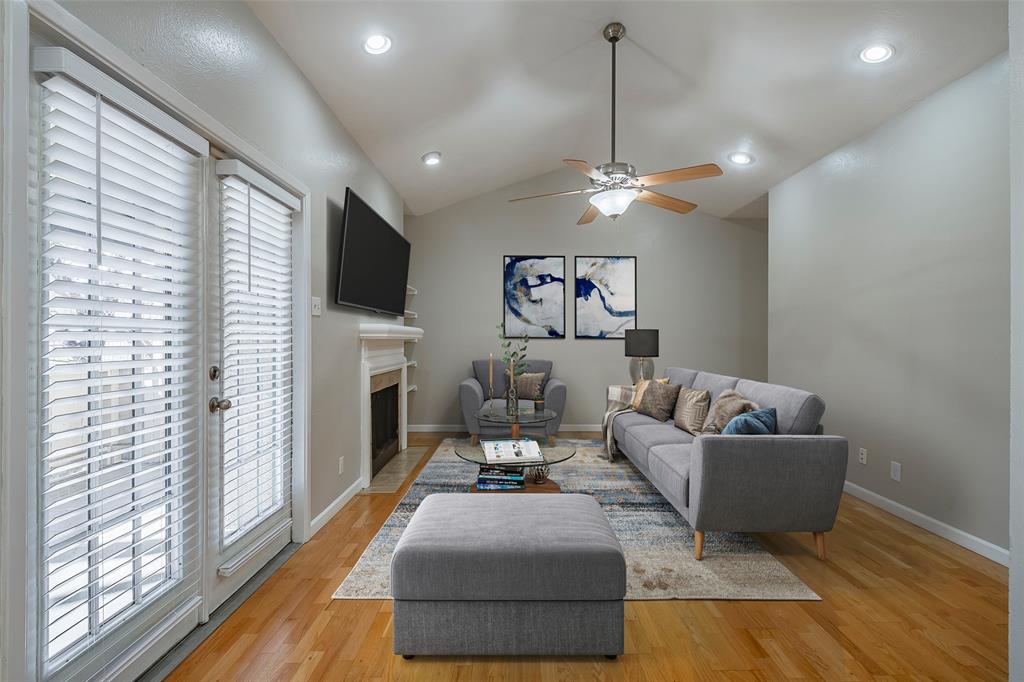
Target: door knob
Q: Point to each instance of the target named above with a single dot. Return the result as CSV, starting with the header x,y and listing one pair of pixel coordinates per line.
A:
x,y
220,404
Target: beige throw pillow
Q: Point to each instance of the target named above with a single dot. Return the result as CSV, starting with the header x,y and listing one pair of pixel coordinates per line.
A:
x,y
641,386
692,410
529,386
728,405
659,401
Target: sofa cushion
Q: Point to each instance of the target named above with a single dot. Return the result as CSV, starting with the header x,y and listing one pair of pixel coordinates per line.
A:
x,y
627,419
715,383
641,387
670,468
799,412
680,376
659,401
728,405
464,546
642,437
500,381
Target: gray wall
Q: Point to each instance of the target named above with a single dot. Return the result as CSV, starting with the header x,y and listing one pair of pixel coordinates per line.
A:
x,y
222,58
700,280
1016,644
889,296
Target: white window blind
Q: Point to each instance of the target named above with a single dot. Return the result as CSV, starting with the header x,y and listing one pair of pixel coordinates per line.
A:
x,y
257,356
118,369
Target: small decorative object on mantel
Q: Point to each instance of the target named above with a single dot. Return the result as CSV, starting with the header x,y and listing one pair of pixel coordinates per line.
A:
x,y
641,346
515,362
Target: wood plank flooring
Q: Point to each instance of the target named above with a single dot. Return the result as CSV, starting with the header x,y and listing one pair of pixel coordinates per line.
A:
x,y
898,604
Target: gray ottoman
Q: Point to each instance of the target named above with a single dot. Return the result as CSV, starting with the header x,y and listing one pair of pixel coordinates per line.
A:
x,y
508,574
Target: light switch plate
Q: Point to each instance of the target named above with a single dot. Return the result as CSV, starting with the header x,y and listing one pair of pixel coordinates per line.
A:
x,y
316,307
895,471
341,466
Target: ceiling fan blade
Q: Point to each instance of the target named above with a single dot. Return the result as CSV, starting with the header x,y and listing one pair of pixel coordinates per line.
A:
x,y
587,169
556,194
707,170
663,201
588,215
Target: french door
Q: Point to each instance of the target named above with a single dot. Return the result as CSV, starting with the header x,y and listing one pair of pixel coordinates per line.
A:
x,y
162,466
249,377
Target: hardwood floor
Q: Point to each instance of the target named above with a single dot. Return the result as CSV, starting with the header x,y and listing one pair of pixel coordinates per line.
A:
x,y
898,604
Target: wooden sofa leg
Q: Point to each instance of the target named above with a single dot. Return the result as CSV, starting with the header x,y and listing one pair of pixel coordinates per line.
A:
x,y
819,544
698,544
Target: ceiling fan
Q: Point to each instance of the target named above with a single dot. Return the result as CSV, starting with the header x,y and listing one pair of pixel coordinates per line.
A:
x,y
615,185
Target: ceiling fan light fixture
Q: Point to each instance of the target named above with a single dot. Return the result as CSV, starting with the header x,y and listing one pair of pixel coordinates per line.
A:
x,y
614,202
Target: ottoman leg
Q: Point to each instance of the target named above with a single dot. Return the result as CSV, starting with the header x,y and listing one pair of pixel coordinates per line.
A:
x,y
611,657
408,657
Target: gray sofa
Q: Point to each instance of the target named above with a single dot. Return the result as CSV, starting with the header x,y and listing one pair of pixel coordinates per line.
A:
x,y
791,482
473,395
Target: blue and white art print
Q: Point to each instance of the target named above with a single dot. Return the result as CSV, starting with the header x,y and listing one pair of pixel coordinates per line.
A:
x,y
605,296
533,288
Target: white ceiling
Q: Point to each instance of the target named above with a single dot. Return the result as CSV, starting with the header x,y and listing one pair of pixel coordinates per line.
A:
x,y
505,90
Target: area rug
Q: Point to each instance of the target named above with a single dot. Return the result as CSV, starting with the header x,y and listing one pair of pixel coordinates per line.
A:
x,y
657,541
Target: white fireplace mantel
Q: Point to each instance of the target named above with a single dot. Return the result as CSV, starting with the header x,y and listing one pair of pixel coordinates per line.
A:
x,y
382,349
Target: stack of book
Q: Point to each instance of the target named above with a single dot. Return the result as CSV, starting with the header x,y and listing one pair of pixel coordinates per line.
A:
x,y
500,478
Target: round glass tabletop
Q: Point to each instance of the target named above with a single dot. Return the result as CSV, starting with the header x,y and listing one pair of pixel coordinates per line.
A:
x,y
553,454
496,414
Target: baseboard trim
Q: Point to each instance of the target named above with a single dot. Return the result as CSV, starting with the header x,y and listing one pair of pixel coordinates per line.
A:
x,y
461,428
334,507
987,549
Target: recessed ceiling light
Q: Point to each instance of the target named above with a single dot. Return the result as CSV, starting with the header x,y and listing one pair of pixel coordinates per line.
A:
x,y
377,44
877,53
741,158
431,158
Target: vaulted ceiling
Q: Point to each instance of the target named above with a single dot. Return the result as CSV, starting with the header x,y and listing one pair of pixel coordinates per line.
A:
x,y
505,90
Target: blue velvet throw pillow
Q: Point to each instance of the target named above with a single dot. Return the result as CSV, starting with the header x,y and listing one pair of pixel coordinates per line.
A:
x,y
761,422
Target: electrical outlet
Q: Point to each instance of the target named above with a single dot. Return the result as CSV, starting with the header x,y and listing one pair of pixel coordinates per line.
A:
x,y
316,307
863,456
895,471
341,465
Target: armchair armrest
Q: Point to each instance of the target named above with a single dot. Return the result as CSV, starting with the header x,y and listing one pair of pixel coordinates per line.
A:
x,y
471,399
554,399
766,483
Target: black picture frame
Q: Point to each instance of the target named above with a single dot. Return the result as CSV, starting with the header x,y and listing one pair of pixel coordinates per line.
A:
x,y
575,299
508,260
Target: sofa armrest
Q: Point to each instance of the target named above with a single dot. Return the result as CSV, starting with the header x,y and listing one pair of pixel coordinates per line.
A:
x,y
471,399
554,399
766,483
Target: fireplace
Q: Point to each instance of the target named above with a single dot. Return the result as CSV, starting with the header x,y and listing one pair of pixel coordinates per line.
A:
x,y
384,440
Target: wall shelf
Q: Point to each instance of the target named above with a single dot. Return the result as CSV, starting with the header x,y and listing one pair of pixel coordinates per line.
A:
x,y
410,315
411,363
412,387
411,291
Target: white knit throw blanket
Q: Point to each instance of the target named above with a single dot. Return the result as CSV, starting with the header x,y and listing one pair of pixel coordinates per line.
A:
x,y
620,401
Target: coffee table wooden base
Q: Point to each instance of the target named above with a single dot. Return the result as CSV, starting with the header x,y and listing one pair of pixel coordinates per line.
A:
x,y
547,486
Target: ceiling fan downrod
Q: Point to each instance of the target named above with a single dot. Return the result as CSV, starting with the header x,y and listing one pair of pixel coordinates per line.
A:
x,y
613,33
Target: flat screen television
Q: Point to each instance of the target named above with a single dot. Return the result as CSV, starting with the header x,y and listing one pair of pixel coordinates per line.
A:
x,y
373,263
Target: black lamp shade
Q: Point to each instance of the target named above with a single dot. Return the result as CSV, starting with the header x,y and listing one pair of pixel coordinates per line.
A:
x,y
641,343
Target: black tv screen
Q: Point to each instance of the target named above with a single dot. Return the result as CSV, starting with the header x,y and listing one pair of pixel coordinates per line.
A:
x,y
373,266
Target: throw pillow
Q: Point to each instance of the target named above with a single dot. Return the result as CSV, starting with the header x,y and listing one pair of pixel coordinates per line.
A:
x,y
530,386
756,423
692,409
659,400
729,404
641,386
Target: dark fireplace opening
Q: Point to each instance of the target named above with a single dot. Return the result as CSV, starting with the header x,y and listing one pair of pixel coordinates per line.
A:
x,y
383,426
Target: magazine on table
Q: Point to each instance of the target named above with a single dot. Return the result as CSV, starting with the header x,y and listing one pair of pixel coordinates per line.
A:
x,y
512,452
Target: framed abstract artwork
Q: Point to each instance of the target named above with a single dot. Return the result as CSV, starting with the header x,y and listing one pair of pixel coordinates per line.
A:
x,y
533,294
605,296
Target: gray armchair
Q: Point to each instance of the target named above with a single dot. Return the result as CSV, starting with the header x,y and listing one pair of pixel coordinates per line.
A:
x,y
473,395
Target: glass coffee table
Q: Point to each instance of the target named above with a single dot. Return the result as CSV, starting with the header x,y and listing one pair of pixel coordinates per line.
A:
x,y
496,414
536,475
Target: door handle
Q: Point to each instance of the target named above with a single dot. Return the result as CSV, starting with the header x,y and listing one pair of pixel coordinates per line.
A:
x,y
219,404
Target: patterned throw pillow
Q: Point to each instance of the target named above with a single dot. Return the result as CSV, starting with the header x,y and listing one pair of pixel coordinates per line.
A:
x,y
729,404
530,386
692,409
641,386
659,400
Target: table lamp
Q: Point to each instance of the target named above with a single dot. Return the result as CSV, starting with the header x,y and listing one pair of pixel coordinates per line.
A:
x,y
641,346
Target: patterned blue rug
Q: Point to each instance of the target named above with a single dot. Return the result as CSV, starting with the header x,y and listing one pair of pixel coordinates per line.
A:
x,y
657,541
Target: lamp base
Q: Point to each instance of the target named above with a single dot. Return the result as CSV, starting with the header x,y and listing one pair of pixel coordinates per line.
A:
x,y
641,368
